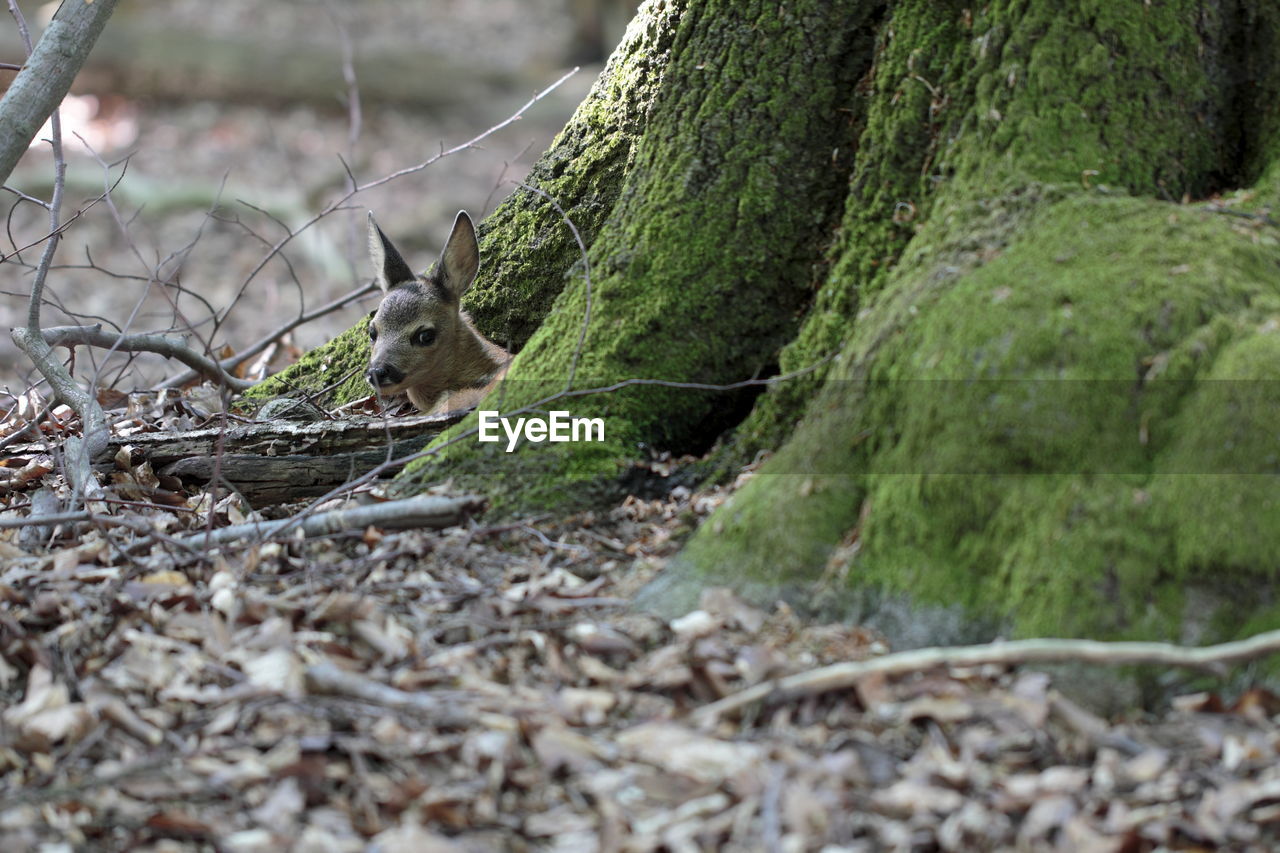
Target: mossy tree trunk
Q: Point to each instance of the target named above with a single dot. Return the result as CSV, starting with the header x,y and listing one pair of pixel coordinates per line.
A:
x,y
996,217
1051,413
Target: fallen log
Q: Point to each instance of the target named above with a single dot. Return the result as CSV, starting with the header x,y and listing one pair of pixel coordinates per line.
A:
x,y
277,460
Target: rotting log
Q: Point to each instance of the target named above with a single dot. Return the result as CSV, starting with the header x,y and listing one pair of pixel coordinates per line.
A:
x,y
274,461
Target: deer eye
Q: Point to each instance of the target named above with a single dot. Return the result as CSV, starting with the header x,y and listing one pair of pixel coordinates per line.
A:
x,y
423,338
373,331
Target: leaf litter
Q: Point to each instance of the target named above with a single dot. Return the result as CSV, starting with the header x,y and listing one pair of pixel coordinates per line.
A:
x,y
488,687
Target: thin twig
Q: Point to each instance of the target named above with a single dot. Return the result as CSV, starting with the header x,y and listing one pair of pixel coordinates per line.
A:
x,y
31,426
57,518
79,452
53,793
66,223
420,511
271,337
23,31
158,344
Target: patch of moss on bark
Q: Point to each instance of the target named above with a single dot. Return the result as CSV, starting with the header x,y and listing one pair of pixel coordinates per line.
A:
x,y
347,355
1222,464
897,118
973,103
527,248
1017,404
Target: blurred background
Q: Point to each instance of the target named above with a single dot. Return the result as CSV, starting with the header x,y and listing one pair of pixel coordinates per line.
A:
x,y
226,123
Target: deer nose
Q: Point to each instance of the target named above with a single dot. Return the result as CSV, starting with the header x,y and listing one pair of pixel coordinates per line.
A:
x,y
383,375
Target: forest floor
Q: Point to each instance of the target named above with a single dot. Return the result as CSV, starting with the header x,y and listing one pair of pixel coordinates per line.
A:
x,y
488,687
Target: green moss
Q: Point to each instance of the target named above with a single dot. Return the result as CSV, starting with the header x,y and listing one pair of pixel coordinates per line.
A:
x,y
1082,310
699,272
968,104
896,122
1018,436
324,369
1087,93
1018,402
1221,469
527,247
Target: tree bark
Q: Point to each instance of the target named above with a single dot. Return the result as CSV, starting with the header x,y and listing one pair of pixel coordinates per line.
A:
x,y
45,78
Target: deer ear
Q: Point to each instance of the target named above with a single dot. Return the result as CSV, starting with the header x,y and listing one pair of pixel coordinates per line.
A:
x,y
460,258
389,269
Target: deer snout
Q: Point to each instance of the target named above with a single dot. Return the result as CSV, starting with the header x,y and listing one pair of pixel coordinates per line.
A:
x,y
384,375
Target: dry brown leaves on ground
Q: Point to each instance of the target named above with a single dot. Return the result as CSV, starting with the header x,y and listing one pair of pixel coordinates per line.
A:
x,y
487,688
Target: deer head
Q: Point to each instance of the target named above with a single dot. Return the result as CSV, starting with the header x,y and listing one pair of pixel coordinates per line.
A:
x,y
422,342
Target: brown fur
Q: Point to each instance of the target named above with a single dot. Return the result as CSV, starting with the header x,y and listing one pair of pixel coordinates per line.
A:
x,y
459,367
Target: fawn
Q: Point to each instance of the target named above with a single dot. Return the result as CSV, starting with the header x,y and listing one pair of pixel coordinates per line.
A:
x,y
423,343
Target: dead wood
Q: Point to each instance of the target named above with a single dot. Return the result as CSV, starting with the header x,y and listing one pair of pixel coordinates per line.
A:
x,y
328,679
840,676
421,511
279,460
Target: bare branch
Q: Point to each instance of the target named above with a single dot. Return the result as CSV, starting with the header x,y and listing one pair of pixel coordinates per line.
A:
x,y
267,340
420,511
80,452
327,679
352,190
841,676
409,170
95,336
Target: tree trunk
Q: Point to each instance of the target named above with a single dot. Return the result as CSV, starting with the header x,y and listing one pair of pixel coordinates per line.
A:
x,y
45,78
1033,306
1051,408
701,268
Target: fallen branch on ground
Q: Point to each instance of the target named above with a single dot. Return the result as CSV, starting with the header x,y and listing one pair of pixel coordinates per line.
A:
x,y
278,460
327,679
841,676
421,511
